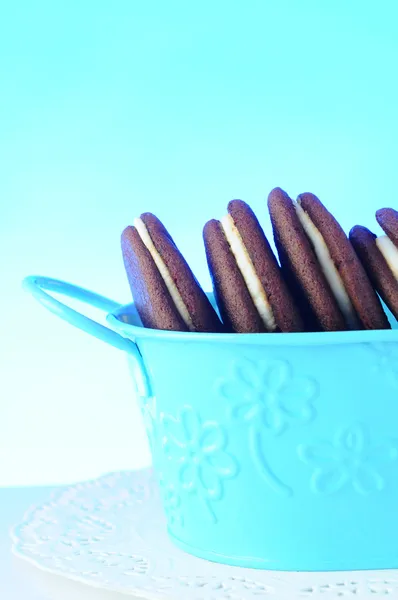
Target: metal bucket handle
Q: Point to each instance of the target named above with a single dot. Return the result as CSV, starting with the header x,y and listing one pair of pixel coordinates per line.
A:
x,y
37,284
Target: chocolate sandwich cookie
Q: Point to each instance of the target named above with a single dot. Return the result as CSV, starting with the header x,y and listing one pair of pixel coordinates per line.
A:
x,y
251,293
379,256
388,220
165,291
322,263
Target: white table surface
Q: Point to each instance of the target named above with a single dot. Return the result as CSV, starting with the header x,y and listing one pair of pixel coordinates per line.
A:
x,y
21,581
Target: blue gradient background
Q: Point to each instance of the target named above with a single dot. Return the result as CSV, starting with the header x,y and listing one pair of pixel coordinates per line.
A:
x,y
110,109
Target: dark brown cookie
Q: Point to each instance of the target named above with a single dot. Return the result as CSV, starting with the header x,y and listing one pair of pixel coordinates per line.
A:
x,y
248,284
378,270
388,220
301,267
165,291
354,292
236,306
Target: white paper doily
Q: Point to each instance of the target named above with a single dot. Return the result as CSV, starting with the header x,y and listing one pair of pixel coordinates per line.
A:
x,y
110,533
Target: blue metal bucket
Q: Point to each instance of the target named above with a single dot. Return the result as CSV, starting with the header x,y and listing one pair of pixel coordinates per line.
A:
x,y
273,451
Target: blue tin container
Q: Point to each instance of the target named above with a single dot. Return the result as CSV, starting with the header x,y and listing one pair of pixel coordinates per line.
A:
x,y
273,451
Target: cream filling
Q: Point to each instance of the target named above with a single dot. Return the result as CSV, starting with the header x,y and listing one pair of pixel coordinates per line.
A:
x,y
248,272
165,273
329,268
390,253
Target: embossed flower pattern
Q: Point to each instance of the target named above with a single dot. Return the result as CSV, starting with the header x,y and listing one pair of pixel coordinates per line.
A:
x,y
171,504
269,396
199,451
271,393
351,459
385,361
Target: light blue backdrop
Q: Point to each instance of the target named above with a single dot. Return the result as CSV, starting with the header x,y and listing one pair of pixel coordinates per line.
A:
x,y
108,109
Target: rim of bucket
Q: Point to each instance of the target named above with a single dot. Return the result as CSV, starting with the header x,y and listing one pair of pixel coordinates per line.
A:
x,y
319,338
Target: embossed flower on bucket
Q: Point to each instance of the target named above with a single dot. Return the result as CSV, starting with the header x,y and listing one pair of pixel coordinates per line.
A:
x,y
270,392
350,459
199,450
171,504
385,361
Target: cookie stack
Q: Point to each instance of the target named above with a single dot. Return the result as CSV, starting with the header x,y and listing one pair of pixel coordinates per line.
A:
x,y
323,280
